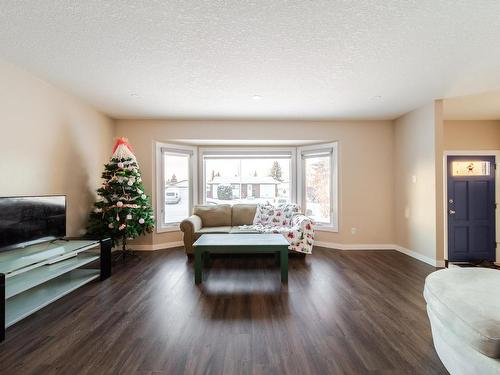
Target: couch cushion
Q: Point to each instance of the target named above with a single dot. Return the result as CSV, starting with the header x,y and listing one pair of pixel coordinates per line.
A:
x,y
214,216
467,302
237,229
243,214
263,214
205,230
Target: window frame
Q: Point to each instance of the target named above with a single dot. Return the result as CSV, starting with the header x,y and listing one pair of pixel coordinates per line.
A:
x,y
197,176
331,147
191,152
246,151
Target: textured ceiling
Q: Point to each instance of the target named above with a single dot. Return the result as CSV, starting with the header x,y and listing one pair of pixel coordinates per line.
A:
x,y
207,59
485,106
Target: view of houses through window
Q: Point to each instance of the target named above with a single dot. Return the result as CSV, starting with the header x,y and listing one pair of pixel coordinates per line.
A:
x,y
247,180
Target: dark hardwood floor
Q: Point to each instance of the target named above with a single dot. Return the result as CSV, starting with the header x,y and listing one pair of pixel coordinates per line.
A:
x,y
357,312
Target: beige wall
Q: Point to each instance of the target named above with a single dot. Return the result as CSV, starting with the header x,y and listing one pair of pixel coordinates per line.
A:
x,y
415,181
365,153
472,135
439,149
51,143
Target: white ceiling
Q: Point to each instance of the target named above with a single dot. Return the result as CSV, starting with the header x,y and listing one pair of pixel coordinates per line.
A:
x,y
207,58
485,106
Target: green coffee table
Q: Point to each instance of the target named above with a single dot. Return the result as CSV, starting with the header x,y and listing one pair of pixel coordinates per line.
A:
x,y
240,244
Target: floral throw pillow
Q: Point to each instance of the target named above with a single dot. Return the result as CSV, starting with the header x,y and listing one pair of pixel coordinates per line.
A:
x,y
283,215
269,215
264,214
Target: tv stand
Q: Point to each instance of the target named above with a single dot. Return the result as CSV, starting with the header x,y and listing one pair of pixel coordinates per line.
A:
x,y
60,239
37,275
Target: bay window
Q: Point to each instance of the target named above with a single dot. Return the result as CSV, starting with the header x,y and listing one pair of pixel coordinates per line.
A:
x,y
188,175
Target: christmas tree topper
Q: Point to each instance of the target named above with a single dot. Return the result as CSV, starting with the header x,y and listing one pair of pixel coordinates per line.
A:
x,y
123,150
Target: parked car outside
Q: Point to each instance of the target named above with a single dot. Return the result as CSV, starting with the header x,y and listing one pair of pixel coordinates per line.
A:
x,y
172,196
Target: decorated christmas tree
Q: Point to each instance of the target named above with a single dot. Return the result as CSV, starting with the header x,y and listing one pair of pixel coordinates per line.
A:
x,y
123,210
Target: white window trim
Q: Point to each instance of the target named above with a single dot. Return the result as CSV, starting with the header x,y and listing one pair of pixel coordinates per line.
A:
x,y
247,151
334,191
162,227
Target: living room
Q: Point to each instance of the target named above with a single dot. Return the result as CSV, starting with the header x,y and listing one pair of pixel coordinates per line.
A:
x,y
370,121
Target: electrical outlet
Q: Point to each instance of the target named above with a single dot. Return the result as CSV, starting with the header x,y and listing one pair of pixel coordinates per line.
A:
x,y
407,212
353,230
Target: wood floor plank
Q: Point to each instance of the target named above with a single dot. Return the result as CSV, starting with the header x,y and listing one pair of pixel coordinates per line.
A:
x,y
341,313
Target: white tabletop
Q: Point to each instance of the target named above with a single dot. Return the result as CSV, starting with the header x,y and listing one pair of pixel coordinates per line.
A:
x,y
257,239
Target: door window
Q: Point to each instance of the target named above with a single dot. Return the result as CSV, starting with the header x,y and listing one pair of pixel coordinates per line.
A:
x,y
470,168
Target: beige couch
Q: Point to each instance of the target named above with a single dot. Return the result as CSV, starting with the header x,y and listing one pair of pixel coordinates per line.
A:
x,y
221,218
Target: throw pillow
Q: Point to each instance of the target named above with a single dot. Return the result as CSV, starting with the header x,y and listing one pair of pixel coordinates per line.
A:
x,y
264,214
285,213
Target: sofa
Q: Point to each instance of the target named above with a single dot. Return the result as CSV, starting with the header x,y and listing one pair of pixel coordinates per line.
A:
x,y
250,218
463,305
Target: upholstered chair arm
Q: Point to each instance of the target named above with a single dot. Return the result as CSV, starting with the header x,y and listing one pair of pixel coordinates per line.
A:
x,y
305,226
190,226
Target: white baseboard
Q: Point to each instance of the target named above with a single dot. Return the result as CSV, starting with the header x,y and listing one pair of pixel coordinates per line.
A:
x,y
339,246
411,253
433,262
158,246
440,264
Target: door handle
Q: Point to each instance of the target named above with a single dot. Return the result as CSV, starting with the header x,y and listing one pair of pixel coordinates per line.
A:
x,y
451,212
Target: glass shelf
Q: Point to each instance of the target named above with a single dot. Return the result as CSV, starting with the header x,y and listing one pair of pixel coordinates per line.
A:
x,y
37,275
32,300
16,261
40,275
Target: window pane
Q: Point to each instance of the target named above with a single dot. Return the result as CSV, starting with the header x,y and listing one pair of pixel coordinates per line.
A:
x,y
317,188
252,180
176,187
471,168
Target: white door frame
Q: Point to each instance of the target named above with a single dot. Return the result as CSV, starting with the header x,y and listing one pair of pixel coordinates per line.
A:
x,y
495,153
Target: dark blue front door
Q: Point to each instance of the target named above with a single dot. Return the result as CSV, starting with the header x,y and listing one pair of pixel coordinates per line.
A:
x,y
471,208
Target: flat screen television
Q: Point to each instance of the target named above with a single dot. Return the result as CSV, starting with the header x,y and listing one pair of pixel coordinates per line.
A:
x,y
28,220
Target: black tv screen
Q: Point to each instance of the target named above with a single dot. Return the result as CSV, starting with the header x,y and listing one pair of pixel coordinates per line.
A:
x,y
28,220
